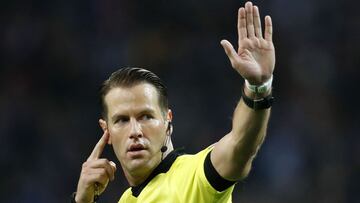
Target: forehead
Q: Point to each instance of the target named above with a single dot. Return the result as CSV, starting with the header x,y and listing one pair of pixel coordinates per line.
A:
x,y
129,99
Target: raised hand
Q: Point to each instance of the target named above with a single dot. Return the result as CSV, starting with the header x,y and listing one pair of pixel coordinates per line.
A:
x,y
255,58
95,173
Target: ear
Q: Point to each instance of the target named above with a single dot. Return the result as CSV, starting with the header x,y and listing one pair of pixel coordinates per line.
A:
x,y
169,117
104,127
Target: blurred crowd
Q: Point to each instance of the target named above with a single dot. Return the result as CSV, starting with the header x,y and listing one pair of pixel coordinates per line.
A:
x,y
55,54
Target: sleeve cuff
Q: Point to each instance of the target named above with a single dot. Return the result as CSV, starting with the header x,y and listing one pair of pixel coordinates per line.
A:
x,y
214,178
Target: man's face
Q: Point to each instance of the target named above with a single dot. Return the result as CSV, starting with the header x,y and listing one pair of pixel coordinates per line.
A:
x,y
137,127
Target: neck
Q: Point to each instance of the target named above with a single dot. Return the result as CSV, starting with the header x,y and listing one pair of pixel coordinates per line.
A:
x,y
137,179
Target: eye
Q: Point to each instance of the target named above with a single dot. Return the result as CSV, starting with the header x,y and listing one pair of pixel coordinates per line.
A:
x,y
122,119
146,117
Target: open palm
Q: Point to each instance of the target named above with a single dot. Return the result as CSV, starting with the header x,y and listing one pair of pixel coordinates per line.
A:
x,y
255,58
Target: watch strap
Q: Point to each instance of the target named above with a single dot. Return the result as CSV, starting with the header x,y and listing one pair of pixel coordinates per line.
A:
x,y
73,195
258,104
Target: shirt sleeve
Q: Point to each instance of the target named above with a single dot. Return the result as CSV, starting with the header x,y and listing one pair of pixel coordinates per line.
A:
x,y
214,178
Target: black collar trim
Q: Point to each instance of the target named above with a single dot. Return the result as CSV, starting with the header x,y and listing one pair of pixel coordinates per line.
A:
x,y
163,167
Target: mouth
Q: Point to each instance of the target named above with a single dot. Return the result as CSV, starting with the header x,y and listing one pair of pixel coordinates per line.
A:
x,y
136,148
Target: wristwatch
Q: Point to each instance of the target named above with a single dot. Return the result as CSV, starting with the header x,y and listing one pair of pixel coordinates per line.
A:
x,y
73,195
258,104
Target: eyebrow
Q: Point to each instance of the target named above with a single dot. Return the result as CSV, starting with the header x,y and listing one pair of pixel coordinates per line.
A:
x,y
144,111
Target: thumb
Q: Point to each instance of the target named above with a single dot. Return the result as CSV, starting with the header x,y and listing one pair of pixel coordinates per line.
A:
x,y
113,165
230,51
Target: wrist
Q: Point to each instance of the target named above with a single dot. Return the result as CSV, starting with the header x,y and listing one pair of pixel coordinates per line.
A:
x,y
250,94
258,91
258,103
258,97
76,199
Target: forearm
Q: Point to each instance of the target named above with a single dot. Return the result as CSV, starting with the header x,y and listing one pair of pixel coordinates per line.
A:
x,y
248,131
233,154
249,127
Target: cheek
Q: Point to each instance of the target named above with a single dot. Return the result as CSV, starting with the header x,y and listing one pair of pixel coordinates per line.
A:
x,y
155,132
116,138
155,124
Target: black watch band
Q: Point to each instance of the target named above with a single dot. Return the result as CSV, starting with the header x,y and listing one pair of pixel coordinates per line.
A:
x,y
258,104
96,197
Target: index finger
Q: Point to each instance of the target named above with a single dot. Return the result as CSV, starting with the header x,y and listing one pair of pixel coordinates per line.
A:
x,y
242,32
99,147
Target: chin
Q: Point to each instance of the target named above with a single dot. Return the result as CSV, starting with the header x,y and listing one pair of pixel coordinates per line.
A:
x,y
138,165
141,164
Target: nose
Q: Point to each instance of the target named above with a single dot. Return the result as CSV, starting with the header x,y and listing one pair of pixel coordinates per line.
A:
x,y
135,130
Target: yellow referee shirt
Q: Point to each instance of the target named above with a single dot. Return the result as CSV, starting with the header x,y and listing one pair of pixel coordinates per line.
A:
x,y
182,178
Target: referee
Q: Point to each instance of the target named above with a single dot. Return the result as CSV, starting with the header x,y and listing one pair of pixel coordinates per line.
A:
x,y
136,121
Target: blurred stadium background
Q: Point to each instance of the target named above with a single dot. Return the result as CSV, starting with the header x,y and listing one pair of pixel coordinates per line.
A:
x,y
55,54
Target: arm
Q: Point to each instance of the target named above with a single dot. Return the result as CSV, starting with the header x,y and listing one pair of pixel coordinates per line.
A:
x,y
254,61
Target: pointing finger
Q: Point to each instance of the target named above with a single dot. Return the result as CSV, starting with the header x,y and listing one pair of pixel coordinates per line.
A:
x,y
99,147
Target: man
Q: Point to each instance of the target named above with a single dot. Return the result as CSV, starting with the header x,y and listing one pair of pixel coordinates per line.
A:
x,y
137,123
